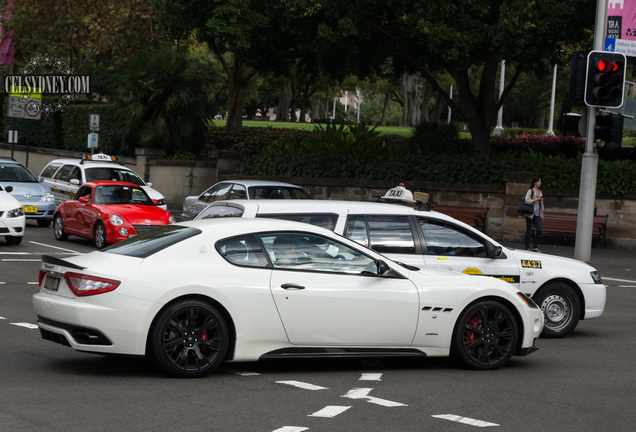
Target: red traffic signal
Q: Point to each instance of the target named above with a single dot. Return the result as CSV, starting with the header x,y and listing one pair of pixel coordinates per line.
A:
x,y
605,79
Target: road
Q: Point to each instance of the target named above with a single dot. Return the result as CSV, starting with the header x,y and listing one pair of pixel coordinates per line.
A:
x,y
582,383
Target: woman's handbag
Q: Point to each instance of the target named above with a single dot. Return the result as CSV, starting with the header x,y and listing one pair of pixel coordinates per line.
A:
x,y
525,208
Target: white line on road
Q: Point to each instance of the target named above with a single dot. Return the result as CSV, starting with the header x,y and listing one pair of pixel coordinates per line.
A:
x,y
56,247
363,393
26,325
237,371
371,377
618,280
302,385
291,429
20,260
465,420
330,411
15,253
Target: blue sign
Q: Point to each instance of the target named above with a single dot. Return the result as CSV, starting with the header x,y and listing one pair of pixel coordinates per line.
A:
x,y
610,44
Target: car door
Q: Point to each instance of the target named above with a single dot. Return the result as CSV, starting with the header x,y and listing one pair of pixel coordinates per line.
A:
x,y
77,214
329,294
62,187
451,247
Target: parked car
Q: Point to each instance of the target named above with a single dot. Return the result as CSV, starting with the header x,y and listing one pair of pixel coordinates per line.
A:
x,y
12,220
108,212
255,289
65,176
241,189
566,289
36,200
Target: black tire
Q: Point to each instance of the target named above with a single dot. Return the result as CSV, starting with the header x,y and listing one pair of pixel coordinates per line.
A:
x,y
44,223
99,235
189,339
58,228
561,309
485,335
13,240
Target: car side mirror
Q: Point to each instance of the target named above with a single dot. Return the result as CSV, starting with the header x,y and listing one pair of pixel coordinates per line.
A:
x,y
8,188
383,267
75,182
494,251
83,199
148,184
41,179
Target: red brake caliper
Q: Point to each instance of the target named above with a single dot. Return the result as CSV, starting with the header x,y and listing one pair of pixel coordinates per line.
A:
x,y
204,336
470,337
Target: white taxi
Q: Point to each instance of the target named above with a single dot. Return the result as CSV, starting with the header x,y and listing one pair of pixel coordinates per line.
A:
x,y
12,219
65,176
567,290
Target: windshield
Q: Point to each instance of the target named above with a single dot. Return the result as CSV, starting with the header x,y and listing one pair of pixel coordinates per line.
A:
x,y
144,245
121,194
16,173
113,173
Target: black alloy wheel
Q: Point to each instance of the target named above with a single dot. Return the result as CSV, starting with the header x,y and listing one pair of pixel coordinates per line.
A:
x,y
485,336
189,339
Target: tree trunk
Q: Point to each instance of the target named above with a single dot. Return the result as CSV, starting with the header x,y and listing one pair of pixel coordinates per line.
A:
x,y
240,78
284,100
314,110
411,96
385,108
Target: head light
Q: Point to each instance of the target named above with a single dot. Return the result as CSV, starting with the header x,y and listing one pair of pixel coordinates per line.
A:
x,y
15,213
596,277
48,196
116,220
172,220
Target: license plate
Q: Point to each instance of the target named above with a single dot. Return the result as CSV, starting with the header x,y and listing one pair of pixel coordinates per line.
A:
x,y
51,282
30,209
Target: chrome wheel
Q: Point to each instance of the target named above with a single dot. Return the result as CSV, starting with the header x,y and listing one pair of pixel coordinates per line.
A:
x,y
99,235
58,228
561,309
486,335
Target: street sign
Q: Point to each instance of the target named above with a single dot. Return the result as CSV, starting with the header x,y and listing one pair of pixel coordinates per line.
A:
x,y
27,106
93,122
93,140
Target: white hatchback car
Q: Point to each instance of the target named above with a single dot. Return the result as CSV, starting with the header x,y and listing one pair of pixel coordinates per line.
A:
x,y
253,289
12,219
65,176
567,290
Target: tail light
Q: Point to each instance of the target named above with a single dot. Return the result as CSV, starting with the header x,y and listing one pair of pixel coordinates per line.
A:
x,y
85,285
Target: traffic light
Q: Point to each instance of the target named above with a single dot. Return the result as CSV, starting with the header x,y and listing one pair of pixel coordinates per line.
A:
x,y
609,129
605,79
578,65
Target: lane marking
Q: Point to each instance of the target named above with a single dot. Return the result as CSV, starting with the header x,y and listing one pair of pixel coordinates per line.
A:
x,y
302,385
363,393
237,371
26,325
465,420
627,286
55,247
371,377
330,411
15,253
619,280
291,429
20,260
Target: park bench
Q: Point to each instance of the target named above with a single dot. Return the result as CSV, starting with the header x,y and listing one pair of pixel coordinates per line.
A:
x,y
474,216
566,223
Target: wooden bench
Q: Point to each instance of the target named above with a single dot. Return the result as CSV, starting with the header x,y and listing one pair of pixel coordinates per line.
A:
x,y
474,216
566,223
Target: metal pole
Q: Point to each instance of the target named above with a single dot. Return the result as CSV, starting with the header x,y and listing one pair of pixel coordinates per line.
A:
x,y
499,129
589,163
551,120
450,94
358,104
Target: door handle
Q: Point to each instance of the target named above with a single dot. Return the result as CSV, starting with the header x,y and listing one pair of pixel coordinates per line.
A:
x,y
292,286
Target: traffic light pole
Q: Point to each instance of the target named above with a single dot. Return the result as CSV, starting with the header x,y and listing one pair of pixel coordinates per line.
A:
x,y
589,164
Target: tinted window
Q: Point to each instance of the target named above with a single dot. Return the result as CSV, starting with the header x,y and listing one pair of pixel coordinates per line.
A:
x,y
121,194
84,191
50,170
238,192
310,252
243,251
322,220
390,234
219,211
144,245
445,239
208,195
277,192
64,174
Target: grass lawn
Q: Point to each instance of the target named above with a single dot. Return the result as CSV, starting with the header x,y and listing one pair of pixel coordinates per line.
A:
x,y
398,130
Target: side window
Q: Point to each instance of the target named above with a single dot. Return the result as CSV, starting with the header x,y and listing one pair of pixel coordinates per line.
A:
x,y
76,174
64,174
208,195
238,192
310,252
391,234
84,191
223,192
242,251
50,170
356,230
445,239
220,211
322,220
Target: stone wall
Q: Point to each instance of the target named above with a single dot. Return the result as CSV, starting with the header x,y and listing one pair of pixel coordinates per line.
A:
x,y
178,179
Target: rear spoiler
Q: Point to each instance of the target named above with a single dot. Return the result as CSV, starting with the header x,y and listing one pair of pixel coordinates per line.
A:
x,y
47,259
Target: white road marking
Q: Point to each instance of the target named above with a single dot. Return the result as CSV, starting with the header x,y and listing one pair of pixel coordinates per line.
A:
x,y
237,371
27,325
371,377
291,429
302,385
618,280
20,260
2,318
15,253
330,411
363,393
56,247
465,420
32,283
627,286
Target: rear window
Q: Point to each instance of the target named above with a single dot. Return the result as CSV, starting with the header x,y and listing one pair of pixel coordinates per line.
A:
x,y
153,241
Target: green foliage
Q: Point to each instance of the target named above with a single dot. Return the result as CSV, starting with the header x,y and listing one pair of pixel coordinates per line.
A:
x,y
75,128
436,137
332,139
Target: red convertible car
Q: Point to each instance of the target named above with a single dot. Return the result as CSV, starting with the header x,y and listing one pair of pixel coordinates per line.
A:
x,y
108,212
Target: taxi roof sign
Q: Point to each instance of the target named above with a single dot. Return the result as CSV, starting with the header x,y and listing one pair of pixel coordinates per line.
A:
x,y
102,157
399,193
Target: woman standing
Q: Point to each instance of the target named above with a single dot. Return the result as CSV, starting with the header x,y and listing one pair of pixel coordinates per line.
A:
x,y
534,196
